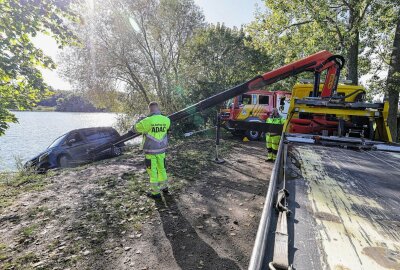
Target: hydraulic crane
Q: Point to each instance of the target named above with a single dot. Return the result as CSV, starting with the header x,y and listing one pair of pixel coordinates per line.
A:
x,y
316,63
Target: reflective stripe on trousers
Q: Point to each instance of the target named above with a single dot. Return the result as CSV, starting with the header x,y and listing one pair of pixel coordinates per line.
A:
x,y
155,167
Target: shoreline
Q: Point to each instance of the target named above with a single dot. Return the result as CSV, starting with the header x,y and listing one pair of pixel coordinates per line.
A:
x,y
60,111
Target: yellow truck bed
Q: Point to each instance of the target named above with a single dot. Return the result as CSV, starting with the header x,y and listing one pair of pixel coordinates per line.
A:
x,y
345,208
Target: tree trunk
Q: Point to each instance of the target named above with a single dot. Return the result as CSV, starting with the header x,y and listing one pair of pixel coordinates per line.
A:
x,y
136,83
352,53
393,83
352,59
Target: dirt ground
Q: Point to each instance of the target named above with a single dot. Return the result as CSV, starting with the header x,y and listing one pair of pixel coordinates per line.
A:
x,y
97,216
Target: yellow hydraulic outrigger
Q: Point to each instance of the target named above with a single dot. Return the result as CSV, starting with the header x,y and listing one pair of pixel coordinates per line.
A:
x,y
346,114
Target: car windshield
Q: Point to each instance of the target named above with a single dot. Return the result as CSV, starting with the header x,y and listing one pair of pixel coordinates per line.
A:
x,y
57,141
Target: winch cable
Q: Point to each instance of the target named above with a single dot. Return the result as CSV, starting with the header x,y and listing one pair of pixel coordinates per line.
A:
x,y
281,247
188,134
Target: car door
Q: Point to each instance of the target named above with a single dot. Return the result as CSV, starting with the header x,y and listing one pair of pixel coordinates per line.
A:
x,y
77,147
96,138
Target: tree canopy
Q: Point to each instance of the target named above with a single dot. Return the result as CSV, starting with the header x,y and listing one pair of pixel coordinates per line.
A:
x,y
134,47
163,50
356,29
21,82
215,59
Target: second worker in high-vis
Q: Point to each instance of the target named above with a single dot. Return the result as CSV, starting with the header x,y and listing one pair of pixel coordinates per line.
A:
x,y
155,142
273,139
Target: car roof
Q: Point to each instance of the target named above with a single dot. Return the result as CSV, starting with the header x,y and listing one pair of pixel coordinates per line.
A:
x,y
92,128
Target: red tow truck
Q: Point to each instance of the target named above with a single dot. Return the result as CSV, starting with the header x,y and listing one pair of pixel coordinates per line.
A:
x,y
253,106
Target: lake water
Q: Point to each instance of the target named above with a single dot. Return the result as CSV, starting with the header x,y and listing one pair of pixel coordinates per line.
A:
x,y
37,130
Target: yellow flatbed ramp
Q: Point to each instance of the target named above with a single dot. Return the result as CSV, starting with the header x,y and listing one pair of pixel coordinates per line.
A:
x,y
345,208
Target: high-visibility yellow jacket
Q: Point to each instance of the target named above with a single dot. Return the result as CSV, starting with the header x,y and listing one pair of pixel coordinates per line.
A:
x,y
154,129
275,120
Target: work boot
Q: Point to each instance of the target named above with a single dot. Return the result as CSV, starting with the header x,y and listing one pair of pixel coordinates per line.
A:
x,y
153,196
165,190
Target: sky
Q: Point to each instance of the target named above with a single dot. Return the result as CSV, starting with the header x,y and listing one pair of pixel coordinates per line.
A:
x,y
230,12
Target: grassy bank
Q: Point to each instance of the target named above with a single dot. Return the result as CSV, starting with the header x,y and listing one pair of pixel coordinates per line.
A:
x,y
72,218
13,184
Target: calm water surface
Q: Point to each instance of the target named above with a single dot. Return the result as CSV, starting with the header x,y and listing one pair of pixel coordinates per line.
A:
x,y
37,130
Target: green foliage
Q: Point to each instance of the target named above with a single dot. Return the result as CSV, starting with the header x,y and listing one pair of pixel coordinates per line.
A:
x,y
3,252
29,231
134,46
215,59
359,30
21,82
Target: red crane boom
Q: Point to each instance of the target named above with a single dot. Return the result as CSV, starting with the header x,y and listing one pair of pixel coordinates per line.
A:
x,y
315,63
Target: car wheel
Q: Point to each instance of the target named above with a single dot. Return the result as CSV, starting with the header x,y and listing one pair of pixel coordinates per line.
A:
x,y
116,151
252,135
64,161
43,169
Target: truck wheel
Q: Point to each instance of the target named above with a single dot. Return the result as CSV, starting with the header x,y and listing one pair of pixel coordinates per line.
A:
x,y
237,133
64,161
252,135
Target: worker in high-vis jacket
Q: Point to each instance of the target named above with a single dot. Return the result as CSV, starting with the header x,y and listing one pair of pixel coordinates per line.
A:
x,y
155,142
273,138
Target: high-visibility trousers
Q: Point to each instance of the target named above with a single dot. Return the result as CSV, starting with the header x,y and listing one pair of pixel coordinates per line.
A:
x,y
155,167
272,145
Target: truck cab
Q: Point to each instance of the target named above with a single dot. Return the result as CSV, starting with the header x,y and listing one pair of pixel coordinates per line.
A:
x,y
254,106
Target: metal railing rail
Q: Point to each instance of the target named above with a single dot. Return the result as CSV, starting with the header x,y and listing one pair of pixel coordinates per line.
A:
x,y
260,244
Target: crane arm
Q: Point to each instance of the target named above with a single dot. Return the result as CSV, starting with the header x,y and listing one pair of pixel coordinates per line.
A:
x,y
316,63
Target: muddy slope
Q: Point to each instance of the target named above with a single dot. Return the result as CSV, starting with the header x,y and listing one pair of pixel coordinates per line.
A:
x,y
97,217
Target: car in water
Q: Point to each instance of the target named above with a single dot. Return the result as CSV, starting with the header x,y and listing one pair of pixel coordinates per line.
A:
x,y
73,148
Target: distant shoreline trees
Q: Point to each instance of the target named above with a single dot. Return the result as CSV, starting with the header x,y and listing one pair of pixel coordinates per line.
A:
x,y
67,101
64,101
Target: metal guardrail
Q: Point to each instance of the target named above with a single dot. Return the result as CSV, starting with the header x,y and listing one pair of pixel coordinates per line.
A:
x,y
260,244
